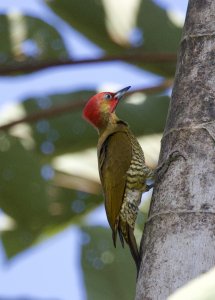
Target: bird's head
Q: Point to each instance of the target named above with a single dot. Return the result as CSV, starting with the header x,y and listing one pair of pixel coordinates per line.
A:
x,y
100,107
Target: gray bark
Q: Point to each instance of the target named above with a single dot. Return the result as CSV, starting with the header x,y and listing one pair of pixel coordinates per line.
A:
x,y
179,238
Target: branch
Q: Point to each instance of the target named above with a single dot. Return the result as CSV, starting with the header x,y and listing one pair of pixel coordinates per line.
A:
x,y
39,65
73,106
78,183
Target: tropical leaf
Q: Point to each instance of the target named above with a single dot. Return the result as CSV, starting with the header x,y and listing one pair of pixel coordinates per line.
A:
x,y
28,39
157,34
109,273
29,196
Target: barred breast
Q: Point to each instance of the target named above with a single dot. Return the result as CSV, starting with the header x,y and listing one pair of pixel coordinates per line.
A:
x,y
137,174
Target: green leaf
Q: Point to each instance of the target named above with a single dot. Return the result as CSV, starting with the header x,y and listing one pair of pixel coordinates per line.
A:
x,y
21,32
66,207
22,189
5,48
109,273
17,240
147,117
69,206
159,33
35,204
88,17
65,133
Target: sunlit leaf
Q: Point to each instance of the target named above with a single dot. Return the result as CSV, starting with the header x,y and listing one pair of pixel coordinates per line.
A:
x,y
81,14
153,32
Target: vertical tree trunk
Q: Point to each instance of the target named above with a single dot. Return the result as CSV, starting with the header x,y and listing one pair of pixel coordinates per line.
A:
x,y
179,238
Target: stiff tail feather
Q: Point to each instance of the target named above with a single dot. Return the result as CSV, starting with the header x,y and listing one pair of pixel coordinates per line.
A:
x,y
133,247
114,236
127,233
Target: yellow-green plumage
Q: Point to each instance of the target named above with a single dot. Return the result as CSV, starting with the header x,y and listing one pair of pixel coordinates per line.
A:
x,y
122,168
123,175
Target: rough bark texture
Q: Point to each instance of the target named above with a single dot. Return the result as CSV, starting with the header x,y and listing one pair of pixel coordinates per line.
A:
x,y
179,238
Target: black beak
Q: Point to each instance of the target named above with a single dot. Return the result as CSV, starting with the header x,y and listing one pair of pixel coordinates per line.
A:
x,y
121,93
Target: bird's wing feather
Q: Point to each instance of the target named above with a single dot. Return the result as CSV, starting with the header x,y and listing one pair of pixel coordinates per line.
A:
x,y
114,161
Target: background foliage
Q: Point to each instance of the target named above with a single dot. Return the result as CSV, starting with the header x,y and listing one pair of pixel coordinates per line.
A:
x,y
40,197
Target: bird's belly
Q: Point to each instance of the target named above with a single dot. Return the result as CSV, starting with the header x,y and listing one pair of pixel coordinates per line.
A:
x,y
129,209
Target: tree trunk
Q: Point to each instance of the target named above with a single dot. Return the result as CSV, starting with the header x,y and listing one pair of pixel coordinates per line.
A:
x,y
179,238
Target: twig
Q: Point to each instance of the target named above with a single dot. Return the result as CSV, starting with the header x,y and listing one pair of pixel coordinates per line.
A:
x,y
74,182
39,65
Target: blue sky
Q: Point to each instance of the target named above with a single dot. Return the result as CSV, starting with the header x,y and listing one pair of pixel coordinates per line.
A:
x,y
58,257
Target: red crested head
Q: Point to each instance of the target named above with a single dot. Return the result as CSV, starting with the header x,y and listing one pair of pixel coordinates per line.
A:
x,y
99,108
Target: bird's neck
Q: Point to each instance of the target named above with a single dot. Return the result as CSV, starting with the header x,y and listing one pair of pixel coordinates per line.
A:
x,y
109,123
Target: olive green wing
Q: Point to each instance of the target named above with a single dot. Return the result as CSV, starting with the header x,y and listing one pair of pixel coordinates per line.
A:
x,y
114,160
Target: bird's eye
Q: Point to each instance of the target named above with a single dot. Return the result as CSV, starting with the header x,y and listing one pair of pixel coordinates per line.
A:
x,y
108,96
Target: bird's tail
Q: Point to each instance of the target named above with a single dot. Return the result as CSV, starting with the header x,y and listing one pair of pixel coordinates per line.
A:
x,y
133,247
127,233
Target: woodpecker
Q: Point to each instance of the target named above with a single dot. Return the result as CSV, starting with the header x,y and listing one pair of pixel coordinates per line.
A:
x,y
122,169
